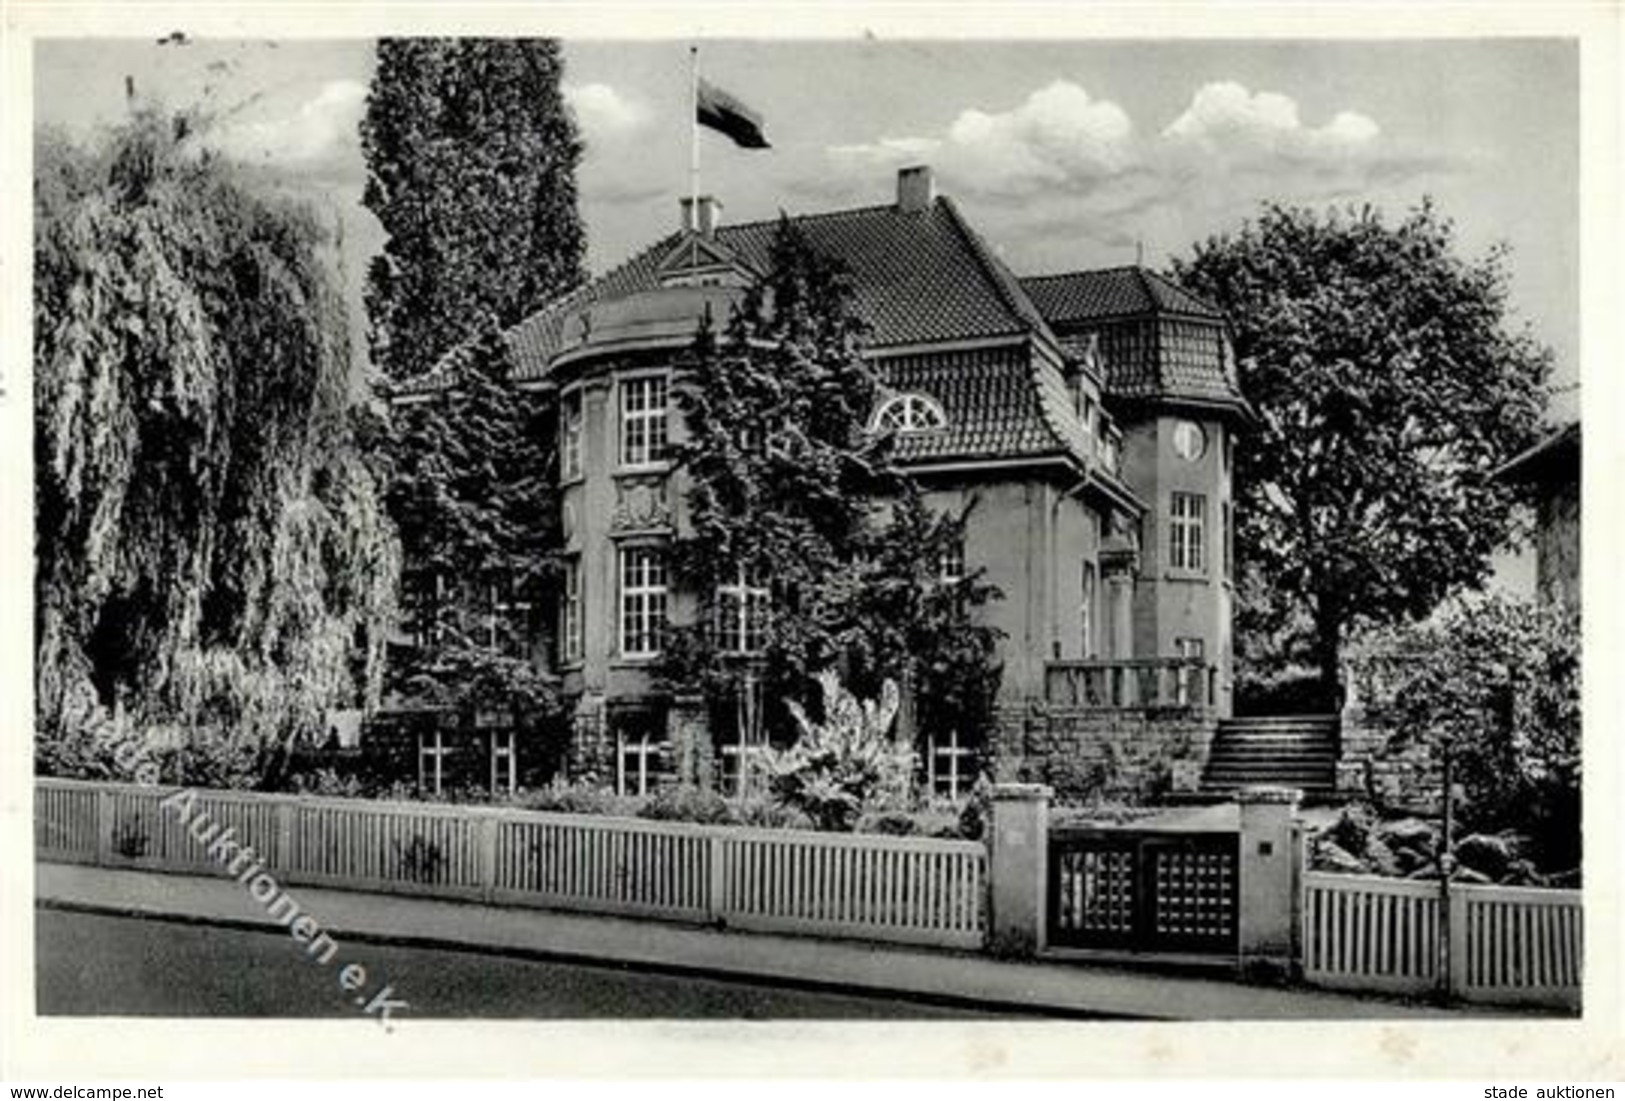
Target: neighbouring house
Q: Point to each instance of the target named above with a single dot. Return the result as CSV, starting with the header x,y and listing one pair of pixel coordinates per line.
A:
x,y
1092,414
1551,471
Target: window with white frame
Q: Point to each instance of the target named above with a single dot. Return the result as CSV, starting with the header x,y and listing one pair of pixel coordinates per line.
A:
x,y
741,615
570,456
950,767
507,629
643,600
951,562
571,622
1186,517
909,413
641,761
643,420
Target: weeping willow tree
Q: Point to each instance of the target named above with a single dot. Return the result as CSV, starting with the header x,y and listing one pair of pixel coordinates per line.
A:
x,y
214,571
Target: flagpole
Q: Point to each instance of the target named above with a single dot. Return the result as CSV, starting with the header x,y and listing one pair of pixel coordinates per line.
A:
x,y
693,142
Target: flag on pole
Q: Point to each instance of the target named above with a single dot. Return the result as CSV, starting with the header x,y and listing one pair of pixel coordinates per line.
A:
x,y
725,114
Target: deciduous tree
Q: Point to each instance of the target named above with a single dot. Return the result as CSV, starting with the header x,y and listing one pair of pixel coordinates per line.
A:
x,y
214,569
1389,384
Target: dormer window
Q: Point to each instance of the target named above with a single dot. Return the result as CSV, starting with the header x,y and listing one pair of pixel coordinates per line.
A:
x,y
908,413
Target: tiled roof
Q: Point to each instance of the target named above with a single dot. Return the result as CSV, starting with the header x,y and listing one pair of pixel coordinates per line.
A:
x,y
992,405
919,278
1112,292
1155,340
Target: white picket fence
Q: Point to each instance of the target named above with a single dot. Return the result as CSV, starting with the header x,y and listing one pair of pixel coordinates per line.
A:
x,y
903,889
1507,944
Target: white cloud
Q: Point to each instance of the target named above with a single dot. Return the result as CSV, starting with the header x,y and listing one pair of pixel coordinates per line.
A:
x,y
319,129
1059,137
602,110
1235,126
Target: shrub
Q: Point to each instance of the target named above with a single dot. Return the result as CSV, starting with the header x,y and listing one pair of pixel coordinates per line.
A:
x,y
845,765
890,823
560,797
688,804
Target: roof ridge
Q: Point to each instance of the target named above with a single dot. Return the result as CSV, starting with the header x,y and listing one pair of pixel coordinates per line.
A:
x,y
998,275
1075,272
817,214
1006,285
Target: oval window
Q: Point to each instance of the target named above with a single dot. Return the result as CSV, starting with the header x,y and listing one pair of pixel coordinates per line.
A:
x,y
1190,442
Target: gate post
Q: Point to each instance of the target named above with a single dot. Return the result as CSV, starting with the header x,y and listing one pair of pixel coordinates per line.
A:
x,y
1018,850
1269,879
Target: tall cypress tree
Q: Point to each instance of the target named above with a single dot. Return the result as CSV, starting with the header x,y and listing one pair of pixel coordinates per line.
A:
x,y
471,156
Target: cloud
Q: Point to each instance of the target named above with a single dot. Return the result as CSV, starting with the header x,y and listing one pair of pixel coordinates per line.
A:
x,y
1234,126
1060,137
602,111
317,134
1065,166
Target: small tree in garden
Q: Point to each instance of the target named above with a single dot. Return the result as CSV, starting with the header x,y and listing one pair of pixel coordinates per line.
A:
x,y
1496,683
846,764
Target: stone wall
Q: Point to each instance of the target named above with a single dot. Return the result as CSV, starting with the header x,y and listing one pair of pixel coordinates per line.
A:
x,y
1367,768
1082,753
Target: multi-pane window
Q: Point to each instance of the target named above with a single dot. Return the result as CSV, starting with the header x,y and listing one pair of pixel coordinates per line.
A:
x,y
425,592
950,767
909,413
570,460
643,600
951,562
643,420
571,622
741,615
1187,513
507,627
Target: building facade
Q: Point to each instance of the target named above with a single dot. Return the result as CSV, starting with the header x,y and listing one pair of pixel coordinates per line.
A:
x,y
1092,415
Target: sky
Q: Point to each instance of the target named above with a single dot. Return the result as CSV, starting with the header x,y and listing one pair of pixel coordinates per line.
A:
x,y
1064,154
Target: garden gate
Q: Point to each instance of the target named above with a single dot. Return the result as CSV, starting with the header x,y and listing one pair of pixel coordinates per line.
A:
x,y
1144,890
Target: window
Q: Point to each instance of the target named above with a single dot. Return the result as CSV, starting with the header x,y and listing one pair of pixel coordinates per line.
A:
x,y
909,413
507,620
425,592
643,601
504,761
950,767
570,438
570,618
1185,537
1228,535
643,420
741,615
639,764
643,754
951,562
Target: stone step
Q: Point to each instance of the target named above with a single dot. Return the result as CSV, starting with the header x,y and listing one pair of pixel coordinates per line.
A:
x,y
1276,720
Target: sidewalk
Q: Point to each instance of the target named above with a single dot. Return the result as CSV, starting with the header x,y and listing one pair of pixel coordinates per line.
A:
x,y
1047,989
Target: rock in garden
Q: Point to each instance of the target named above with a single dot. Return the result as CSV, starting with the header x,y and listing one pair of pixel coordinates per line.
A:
x,y
1484,853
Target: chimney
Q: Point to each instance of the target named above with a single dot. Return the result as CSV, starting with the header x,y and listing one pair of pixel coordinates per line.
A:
x,y
701,215
914,189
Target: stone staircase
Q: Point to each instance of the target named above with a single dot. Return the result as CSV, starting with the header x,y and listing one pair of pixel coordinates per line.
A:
x,y
1297,751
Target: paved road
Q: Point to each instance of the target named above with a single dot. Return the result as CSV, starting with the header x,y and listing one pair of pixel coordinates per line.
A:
x,y
96,964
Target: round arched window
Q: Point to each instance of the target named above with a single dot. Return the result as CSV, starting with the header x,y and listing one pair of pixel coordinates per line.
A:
x,y
909,413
